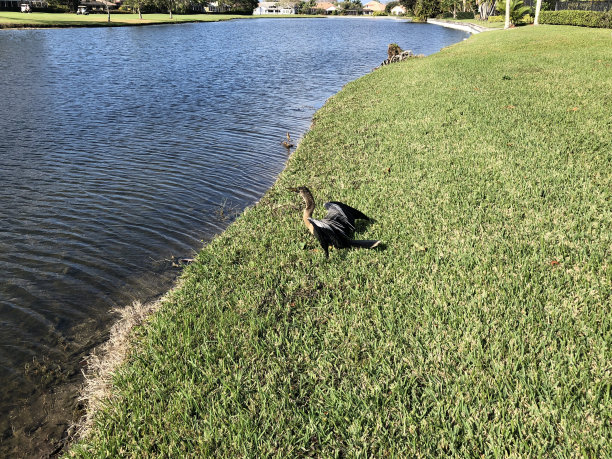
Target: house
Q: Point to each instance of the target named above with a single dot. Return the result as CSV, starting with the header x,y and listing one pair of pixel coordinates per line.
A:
x,y
214,7
275,8
328,7
16,4
373,7
98,5
398,10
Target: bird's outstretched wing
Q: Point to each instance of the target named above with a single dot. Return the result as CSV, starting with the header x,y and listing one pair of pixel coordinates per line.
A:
x,y
330,232
343,214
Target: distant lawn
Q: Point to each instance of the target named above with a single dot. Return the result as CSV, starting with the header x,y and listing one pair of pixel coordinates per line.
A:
x,y
10,19
483,329
490,25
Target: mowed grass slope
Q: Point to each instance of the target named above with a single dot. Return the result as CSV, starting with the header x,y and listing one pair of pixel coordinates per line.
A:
x,y
483,327
12,19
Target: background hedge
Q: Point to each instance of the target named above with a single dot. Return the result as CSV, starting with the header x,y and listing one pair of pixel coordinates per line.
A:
x,y
577,18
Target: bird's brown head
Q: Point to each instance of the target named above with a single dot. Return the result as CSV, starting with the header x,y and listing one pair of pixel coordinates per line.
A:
x,y
300,189
306,195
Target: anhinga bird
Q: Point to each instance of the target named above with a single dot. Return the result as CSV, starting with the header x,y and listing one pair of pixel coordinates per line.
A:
x,y
337,228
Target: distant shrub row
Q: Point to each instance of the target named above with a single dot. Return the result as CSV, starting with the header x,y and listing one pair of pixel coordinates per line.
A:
x,y
577,18
568,17
465,15
459,14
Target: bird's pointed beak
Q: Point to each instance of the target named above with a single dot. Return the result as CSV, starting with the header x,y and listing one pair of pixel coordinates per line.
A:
x,y
295,190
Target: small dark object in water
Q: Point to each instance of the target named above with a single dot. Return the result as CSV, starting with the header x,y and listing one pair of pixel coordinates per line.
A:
x,y
181,262
287,143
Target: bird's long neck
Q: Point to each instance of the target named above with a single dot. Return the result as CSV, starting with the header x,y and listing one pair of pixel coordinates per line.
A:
x,y
310,206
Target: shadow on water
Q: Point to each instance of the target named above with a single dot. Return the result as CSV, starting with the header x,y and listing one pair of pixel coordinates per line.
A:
x,y
123,147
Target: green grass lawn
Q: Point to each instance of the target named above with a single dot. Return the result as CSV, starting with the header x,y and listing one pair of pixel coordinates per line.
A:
x,y
482,328
487,24
490,25
16,19
11,19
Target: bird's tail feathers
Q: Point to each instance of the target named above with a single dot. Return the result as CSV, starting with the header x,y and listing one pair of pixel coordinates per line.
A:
x,y
365,244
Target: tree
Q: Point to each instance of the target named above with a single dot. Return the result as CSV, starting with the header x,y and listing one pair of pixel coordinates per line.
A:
x,y
537,12
507,21
107,3
514,10
243,6
176,5
136,5
306,7
408,4
352,5
390,6
72,5
167,5
485,8
424,9
449,5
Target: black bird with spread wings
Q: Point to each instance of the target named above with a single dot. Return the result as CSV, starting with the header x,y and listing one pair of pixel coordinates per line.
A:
x,y
337,228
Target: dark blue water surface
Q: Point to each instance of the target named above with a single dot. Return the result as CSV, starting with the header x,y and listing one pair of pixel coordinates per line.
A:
x,y
123,147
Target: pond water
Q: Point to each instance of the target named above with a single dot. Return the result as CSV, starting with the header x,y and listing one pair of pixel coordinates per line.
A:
x,y
122,148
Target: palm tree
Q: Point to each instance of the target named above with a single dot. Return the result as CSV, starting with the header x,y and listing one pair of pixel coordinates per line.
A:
x,y
537,12
507,22
514,10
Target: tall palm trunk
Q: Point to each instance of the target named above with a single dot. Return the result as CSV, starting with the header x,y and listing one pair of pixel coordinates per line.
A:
x,y
507,24
485,8
536,20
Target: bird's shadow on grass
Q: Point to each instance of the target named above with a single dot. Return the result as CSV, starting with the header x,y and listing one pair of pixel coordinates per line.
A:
x,y
362,225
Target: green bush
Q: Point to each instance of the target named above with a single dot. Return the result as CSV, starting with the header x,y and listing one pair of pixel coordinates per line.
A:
x,y
380,13
53,9
527,19
577,18
465,15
